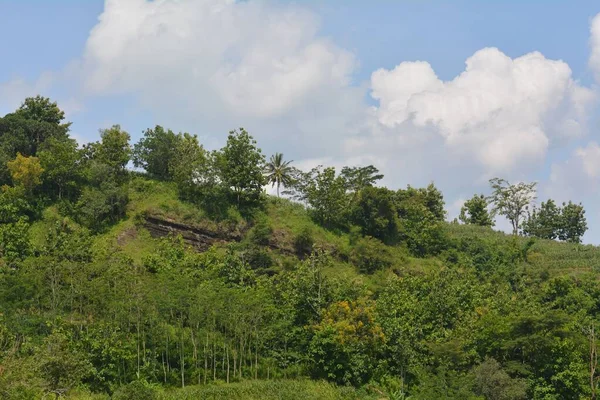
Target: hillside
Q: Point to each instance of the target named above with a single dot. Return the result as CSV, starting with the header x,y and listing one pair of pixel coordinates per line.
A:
x,y
156,213
187,280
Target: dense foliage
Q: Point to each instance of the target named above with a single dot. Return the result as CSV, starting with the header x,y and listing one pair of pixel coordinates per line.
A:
x,y
366,287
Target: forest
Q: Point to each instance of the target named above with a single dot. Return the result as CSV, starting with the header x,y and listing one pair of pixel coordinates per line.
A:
x,y
163,270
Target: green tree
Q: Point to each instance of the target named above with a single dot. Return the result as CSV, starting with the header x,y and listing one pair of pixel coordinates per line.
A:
x,y
62,366
358,178
42,109
113,150
475,212
278,172
543,222
98,207
572,223
512,200
374,211
430,197
157,151
494,383
242,167
60,160
326,196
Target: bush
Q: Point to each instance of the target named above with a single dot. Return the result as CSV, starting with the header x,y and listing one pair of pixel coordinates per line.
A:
x,y
258,258
261,232
304,241
135,390
370,255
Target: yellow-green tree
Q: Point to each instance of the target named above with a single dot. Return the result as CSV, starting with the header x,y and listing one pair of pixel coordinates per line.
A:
x,y
26,171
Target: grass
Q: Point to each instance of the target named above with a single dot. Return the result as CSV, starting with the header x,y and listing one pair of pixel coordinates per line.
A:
x,y
265,390
289,219
299,389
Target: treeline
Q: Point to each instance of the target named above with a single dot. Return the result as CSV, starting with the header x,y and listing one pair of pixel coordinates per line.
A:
x,y
431,314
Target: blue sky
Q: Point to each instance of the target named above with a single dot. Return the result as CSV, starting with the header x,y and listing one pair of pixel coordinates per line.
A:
x,y
301,76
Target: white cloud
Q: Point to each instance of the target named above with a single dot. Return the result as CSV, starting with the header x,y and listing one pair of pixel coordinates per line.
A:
x,y
243,58
590,159
595,46
502,111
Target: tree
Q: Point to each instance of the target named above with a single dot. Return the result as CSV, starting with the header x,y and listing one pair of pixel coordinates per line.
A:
x,y
374,211
430,197
60,161
26,172
326,196
512,201
278,172
157,151
42,109
242,167
543,222
475,212
98,207
190,168
494,383
572,223
113,149
358,178
346,342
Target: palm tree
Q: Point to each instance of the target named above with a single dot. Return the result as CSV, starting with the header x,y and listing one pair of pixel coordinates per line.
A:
x,y
278,171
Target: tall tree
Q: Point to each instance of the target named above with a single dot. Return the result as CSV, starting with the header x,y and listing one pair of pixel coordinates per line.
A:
x,y
113,149
60,161
358,178
543,222
325,193
512,200
278,172
375,212
430,197
242,164
572,223
156,151
475,212
42,109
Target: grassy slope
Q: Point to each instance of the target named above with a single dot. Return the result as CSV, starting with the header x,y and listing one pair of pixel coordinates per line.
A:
x,y
288,219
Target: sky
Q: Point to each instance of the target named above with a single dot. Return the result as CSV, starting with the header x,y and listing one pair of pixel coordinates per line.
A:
x,y
453,93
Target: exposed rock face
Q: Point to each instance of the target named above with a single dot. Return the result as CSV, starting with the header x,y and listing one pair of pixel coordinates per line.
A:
x,y
199,238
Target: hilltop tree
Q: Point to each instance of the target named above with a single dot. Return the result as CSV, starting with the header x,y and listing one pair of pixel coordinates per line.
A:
x,y
475,212
156,151
325,193
41,109
572,223
358,178
278,172
543,222
375,212
512,201
114,149
242,167
430,197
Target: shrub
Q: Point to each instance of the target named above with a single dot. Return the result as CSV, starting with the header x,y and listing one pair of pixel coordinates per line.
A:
x,y
261,232
370,255
135,390
304,241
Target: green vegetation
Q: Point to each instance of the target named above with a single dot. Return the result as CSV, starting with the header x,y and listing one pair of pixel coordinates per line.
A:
x,y
188,281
